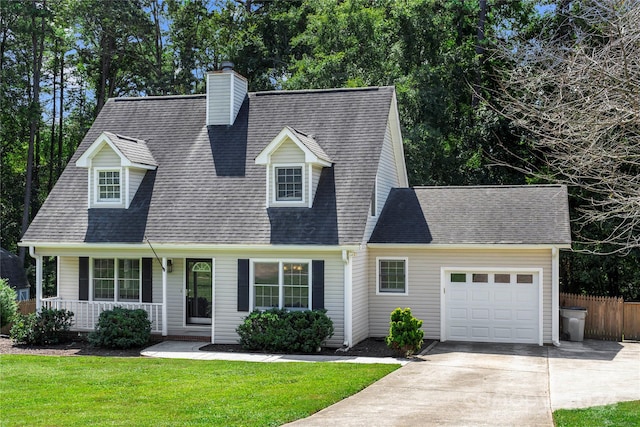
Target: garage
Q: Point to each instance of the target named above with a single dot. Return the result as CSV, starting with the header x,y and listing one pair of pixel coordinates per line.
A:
x,y
500,306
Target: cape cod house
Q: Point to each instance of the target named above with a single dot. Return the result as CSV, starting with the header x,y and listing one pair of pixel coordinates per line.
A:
x,y
200,209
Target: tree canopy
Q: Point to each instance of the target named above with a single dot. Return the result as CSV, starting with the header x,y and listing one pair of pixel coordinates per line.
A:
x,y
62,59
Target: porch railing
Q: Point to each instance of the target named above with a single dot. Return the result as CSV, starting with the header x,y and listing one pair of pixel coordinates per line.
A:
x,y
86,313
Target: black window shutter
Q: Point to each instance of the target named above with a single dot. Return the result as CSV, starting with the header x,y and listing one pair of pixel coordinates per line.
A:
x,y
317,284
83,278
243,285
147,279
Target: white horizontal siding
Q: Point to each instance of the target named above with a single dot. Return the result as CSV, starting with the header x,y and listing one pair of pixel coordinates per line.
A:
x,y
424,283
287,152
240,88
219,101
68,277
387,177
316,171
135,178
360,299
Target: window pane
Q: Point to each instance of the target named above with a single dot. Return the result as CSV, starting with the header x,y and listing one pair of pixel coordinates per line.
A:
x,y
392,276
265,273
266,296
502,278
103,279
296,285
525,278
129,280
289,184
109,185
480,278
458,277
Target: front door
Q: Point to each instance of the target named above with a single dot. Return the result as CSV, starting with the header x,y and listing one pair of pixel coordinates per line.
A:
x,y
198,291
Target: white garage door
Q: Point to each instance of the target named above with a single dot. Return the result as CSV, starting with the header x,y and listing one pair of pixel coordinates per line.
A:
x,y
491,306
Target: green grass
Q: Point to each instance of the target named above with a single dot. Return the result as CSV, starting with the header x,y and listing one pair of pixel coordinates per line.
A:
x,y
82,391
621,414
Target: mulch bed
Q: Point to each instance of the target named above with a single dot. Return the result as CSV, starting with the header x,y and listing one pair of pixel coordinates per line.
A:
x,y
371,347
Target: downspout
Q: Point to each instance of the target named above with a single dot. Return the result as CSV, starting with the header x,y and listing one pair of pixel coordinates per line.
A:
x,y
555,296
164,297
38,258
348,302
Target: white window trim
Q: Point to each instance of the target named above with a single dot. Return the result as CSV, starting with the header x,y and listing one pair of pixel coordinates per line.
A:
x,y
280,280
406,276
96,186
116,287
274,185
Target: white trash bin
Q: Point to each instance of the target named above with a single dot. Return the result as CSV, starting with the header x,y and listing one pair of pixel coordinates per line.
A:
x,y
573,322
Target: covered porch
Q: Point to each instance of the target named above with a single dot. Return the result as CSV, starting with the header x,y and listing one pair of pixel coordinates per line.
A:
x,y
86,313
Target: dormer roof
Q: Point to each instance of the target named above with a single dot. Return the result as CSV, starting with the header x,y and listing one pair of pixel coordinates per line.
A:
x,y
313,152
133,152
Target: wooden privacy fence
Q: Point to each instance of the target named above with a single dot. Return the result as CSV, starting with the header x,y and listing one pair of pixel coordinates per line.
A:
x,y
24,307
608,318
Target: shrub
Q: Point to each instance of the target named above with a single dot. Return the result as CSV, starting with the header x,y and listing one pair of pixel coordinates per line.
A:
x,y
8,304
50,326
405,335
121,328
277,330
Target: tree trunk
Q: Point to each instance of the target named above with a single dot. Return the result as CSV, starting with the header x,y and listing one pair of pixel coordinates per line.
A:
x,y
61,120
52,138
480,52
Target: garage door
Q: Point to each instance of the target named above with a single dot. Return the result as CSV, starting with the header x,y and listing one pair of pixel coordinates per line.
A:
x,y
492,306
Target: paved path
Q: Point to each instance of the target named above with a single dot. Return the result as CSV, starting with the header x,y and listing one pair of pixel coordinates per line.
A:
x,y
471,384
190,350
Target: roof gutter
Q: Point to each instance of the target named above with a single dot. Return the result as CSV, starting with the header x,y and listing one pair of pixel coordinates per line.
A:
x,y
441,246
44,246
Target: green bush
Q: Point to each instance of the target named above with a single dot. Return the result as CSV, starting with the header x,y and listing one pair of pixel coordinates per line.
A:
x,y
50,326
121,328
285,331
8,304
405,335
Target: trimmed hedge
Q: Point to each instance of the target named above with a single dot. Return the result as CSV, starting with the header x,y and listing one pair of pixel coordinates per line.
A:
x,y
121,328
277,330
50,326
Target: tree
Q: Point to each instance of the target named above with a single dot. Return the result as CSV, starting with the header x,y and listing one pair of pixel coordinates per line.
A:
x,y
575,92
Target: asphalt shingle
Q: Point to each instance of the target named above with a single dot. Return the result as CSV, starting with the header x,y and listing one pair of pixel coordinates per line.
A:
x,y
536,214
207,187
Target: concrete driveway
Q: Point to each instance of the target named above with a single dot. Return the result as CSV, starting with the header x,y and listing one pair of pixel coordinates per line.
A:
x,y
471,384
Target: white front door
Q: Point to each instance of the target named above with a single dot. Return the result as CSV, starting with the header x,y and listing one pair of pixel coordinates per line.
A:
x,y
492,306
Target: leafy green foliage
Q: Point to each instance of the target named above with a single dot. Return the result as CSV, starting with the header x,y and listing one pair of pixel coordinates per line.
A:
x,y
279,330
8,305
50,326
405,335
121,328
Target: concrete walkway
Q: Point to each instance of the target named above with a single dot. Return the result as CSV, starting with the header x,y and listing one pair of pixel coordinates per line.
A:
x,y
470,384
190,350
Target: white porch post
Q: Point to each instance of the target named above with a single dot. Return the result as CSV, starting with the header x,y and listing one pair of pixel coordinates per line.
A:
x,y
348,307
38,279
555,296
164,297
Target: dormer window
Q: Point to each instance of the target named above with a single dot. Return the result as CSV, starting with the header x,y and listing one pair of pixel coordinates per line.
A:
x,y
289,184
116,165
108,186
294,162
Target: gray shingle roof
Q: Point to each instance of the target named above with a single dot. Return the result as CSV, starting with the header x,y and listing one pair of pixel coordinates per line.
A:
x,y
207,187
310,142
475,215
134,149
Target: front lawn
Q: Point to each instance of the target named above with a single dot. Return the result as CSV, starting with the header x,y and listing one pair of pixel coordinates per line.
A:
x,y
81,391
621,414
